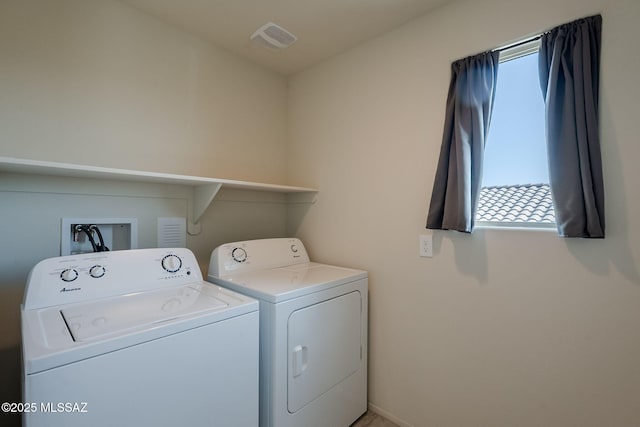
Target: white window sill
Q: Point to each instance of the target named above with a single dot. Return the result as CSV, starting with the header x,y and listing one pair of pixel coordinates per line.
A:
x,y
519,226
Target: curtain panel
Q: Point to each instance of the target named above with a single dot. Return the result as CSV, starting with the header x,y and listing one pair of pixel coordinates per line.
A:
x,y
458,177
569,66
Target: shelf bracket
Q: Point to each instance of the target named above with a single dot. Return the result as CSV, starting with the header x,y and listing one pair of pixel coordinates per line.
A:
x,y
203,195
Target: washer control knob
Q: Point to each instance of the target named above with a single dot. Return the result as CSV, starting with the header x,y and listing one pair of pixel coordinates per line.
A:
x,y
294,248
239,255
97,271
69,275
171,263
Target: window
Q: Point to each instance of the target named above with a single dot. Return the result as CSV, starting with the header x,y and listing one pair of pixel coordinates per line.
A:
x,y
569,52
515,188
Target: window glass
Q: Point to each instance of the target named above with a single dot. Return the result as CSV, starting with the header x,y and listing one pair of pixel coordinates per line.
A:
x,y
515,174
516,151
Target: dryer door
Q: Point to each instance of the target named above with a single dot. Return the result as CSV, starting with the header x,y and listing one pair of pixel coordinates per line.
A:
x,y
324,342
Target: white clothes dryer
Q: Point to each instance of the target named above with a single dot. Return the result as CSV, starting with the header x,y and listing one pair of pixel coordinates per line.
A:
x,y
313,331
136,338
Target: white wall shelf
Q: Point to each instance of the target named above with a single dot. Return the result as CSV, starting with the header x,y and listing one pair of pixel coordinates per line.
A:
x,y
204,189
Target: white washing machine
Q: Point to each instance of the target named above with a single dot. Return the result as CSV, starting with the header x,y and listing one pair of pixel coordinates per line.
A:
x,y
136,338
313,331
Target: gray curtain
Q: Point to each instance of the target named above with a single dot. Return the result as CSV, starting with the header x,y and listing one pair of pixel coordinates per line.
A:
x,y
569,77
459,174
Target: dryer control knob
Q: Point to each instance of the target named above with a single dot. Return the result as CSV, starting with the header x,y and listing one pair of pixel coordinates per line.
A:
x,y
97,271
171,263
69,275
239,255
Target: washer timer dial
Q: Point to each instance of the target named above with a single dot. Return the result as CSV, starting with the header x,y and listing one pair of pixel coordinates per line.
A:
x,y
171,263
239,255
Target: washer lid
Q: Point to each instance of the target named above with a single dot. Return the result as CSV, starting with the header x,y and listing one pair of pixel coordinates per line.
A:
x,y
129,320
116,315
283,283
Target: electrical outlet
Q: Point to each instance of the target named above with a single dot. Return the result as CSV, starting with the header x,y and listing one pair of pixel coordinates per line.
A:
x,y
426,245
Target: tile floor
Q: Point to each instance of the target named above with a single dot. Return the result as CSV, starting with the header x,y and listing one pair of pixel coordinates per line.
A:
x,y
371,419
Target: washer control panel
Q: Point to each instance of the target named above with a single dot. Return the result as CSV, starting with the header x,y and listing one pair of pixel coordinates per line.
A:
x,y
81,277
256,254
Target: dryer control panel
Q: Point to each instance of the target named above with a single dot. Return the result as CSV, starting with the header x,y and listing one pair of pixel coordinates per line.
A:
x,y
251,255
84,277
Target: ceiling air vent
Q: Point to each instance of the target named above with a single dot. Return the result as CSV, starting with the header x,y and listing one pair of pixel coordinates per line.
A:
x,y
273,36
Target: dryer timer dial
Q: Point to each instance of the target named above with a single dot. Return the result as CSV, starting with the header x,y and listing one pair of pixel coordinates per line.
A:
x,y
239,255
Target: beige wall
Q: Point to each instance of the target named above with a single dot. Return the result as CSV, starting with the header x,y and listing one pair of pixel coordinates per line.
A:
x,y
97,82
499,328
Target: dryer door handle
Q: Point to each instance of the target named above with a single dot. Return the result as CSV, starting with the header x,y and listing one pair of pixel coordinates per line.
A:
x,y
300,358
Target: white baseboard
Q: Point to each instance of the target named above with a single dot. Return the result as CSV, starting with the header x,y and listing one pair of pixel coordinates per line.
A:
x,y
388,415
